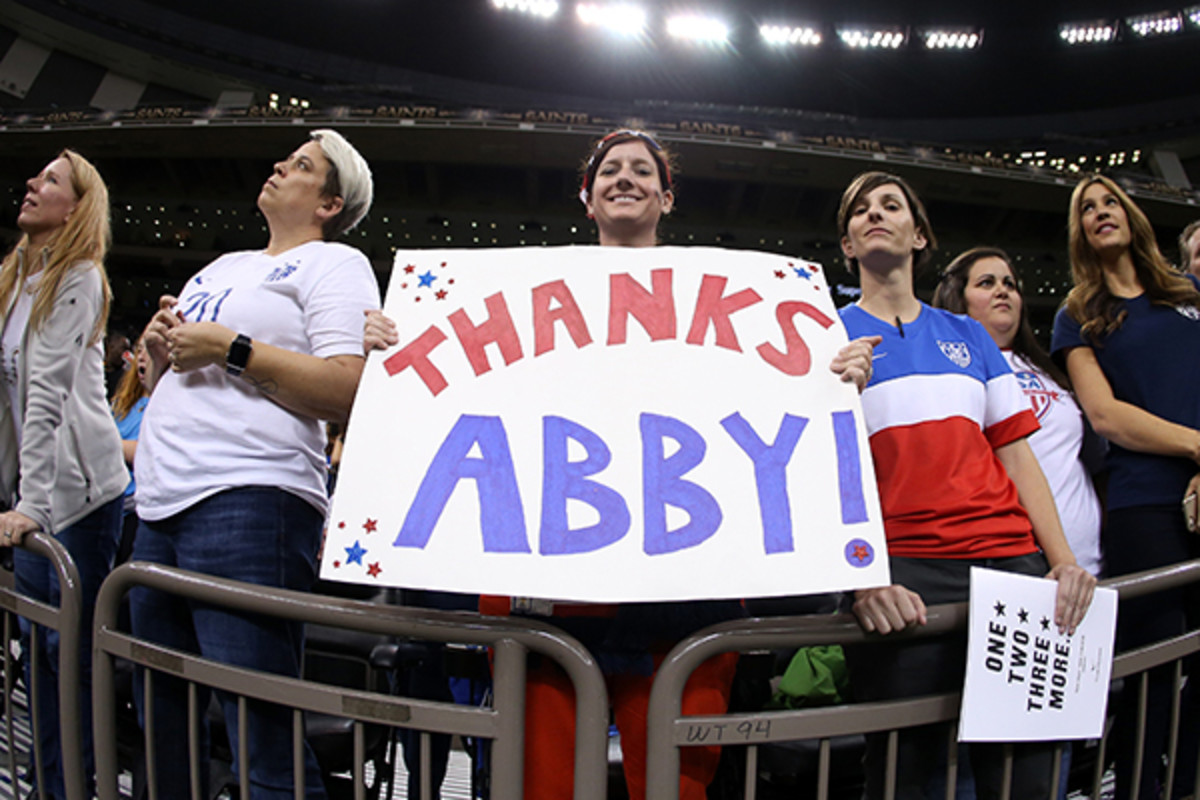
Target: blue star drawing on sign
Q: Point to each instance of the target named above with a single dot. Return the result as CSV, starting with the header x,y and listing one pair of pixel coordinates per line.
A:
x,y
802,273
354,555
427,279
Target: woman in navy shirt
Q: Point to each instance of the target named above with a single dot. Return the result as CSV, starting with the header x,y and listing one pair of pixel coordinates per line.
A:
x,y
1128,334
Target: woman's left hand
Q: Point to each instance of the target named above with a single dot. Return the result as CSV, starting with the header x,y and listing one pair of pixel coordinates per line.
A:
x,y
853,362
1191,516
1075,589
13,527
193,345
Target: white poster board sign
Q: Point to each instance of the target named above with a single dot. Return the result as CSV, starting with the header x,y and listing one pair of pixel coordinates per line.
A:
x,y
607,424
1025,681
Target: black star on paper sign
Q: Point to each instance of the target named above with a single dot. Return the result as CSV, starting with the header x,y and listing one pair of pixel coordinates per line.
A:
x,y
1023,615
1045,623
999,608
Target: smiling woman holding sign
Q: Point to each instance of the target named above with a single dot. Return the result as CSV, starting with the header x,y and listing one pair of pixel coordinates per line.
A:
x,y
958,483
627,188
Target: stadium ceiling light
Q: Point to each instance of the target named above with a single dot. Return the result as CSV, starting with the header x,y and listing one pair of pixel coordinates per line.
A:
x,y
952,39
694,28
1193,15
787,35
537,8
622,18
1161,24
866,38
1097,32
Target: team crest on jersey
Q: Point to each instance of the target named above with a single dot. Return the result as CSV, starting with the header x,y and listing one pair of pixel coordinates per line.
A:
x,y
282,273
1191,312
1041,397
958,352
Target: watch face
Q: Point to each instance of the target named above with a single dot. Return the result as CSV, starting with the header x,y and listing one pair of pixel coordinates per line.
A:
x,y
238,355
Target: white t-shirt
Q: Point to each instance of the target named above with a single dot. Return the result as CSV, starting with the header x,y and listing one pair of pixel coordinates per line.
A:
x,y
205,431
1057,446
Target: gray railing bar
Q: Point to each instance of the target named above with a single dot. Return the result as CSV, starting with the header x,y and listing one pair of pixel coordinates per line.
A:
x,y
510,638
66,619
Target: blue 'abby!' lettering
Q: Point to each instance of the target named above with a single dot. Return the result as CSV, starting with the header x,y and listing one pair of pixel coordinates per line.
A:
x,y
502,512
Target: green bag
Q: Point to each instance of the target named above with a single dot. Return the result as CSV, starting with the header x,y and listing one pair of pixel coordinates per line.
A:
x,y
816,676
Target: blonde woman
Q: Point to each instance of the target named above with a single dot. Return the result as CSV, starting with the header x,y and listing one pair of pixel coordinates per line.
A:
x,y
1129,334
60,456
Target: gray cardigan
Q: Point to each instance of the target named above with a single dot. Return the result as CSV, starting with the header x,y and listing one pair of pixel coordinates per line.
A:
x,y
70,460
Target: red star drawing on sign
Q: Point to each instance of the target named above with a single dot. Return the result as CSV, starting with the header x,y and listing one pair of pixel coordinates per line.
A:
x,y
416,299
374,570
860,553
341,525
337,564
779,273
370,525
440,294
408,270
443,263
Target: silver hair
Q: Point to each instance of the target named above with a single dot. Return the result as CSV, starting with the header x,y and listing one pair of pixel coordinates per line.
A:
x,y
351,181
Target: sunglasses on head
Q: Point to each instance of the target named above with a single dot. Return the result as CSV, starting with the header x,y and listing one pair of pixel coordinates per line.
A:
x,y
642,135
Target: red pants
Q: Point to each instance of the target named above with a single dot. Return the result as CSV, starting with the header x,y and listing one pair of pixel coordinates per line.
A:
x,y
550,728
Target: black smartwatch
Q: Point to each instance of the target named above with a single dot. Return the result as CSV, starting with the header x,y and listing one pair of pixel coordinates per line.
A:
x,y
238,356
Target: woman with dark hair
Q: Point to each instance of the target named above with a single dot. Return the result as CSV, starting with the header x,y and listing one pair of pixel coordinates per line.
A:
x,y
627,188
959,486
983,284
61,456
1128,334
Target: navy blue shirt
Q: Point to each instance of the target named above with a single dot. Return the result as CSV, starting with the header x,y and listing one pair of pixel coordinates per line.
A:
x,y
1152,361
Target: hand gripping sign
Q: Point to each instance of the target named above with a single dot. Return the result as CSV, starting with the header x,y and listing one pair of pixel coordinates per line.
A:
x,y
607,424
1026,680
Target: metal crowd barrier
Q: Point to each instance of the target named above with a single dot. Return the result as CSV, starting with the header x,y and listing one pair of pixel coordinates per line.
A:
x,y
65,619
669,730
502,722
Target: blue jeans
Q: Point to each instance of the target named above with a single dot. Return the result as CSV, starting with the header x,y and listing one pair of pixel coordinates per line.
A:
x,y
92,543
259,535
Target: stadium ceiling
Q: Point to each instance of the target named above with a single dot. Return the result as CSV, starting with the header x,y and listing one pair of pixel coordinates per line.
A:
x,y
402,50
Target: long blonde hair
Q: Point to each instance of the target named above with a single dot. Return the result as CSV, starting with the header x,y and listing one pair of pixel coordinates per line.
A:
x,y
129,388
1090,303
85,236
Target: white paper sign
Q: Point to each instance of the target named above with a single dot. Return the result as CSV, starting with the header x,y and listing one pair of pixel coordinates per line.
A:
x,y
607,424
1026,681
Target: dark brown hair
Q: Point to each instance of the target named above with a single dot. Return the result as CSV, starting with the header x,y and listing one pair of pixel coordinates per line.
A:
x,y
869,181
951,295
663,158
